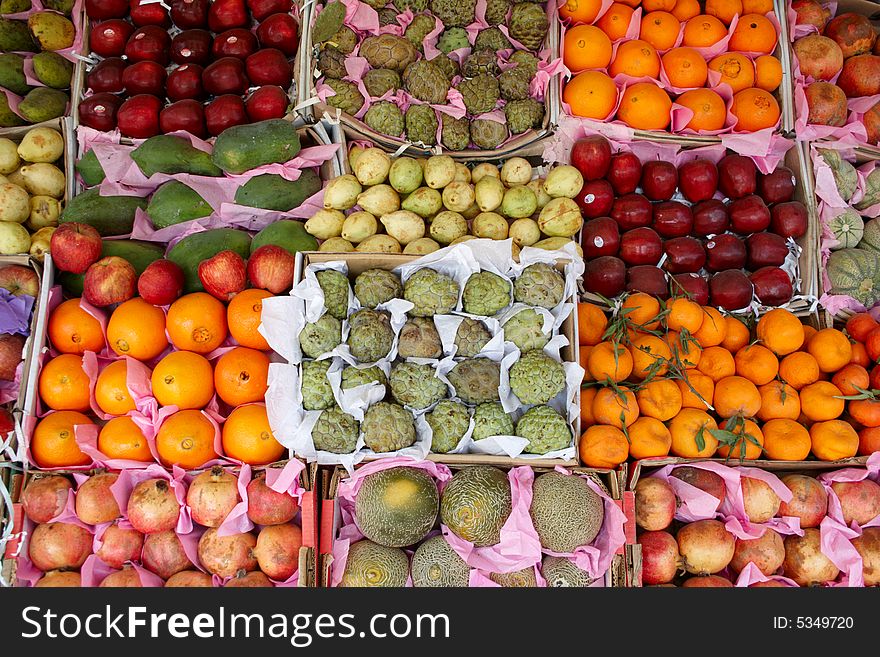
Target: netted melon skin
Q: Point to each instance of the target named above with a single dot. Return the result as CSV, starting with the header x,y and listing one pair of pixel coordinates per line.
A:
x,y
565,511
397,507
524,578
435,564
476,503
372,565
562,573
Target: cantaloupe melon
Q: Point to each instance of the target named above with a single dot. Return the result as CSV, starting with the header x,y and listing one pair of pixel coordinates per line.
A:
x,y
566,512
855,272
871,235
560,572
476,503
436,564
373,565
397,507
518,579
847,228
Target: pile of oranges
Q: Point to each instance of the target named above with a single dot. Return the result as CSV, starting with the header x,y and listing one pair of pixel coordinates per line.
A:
x,y
669,55
180,361
684,380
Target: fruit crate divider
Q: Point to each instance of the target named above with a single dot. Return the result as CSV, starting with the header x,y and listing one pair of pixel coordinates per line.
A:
x,y
786,57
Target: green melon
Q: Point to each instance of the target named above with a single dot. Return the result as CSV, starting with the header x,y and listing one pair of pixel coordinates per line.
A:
x,y
871,235
855,272
566,512
476,503
372,565
397,507
847,228
560,572
436,564
524,578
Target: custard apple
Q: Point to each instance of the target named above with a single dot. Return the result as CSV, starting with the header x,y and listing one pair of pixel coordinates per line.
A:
x,y
388,427
480,94
377,286
436,564
335,431
421,27
415,385
496,11
431,293
491,39
334,285
387,16
388,51
560,572
514,83
456,133
470,338
488,134
380,81
316,391
455,13
345,40
385,117
539,285
491,420
375,4
370,335
449,421
419,339
526,330
544,428
453,38
528,24
476,380
415,6
421,124
317,338
536,378
446,64
327,21
486,294
347,97
526,61
352,377
523,115
478,62
331,63
426,82
518,579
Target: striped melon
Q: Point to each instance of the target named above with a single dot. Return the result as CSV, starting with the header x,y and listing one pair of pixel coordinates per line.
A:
x,y
436,564
871,235
476,503
397,507
560,572
847,228
519,579
566,512
373,565
855,272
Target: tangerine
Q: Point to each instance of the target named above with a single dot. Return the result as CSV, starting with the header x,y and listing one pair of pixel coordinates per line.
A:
x,y
709,110
685,67
821,401
642,310
602,446
703,31
651,356
610,360
691,434
860,325
786,440
754,109
779,400
580,11
768,73
591,324
736,395
833,440
648,438
615,22
717,363
780,331
724,10
587,397
737,334
659,399
713,330
684,10
757,364
753,33
744,447
243,316
697,390
616,408
684,314
852,379
736,70
831,349
660,29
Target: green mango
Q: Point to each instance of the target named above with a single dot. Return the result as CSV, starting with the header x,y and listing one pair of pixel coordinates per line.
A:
x,y
53,70
61,6
42,104
90,170
109,215
174,203
288,234
245,147
51,31
168,154
16,37
12,73
272,192
8,118
192,249
14,6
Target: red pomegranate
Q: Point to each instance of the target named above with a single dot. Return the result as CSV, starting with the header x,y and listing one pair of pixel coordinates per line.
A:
x,y
94,499
45,497
153,507
211,496
268,507
57,545
706,547
226,555
277,550
164,555
119,546
655,504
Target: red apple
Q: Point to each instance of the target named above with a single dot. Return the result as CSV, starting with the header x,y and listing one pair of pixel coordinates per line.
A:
x,y
99,111
262,9
725,251
710,217
772,286
106,76
185,82
641,246
765,250
110,280
737,176
223,275
789,219
225,112
19,280
624,173
748,215
269,66
99,10
192,47
108,39
138,116
730,290
143,12
605,275
600,237
659,180
777,186
632,211
279,31
11,348
149,42
267,102
161,282
595,198
648,279
75,246
225,14
225,76
698,180
271,267
591,156
693,286
237,42
672,219
684,255
186,115
146,77
7,422
189,14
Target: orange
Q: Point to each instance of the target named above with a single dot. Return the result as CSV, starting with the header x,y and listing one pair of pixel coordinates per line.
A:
x,y
735,395
583,357
660,29
753,33
74,331
186,438
609,360
580,11
697,390
869,441
710,112
809,332
243,318
618,409
799,369
632,3
197,322
645,106
717,363
779,400
111,389
757,6
587,397
755,109
724,10
684,314
865,411
757,364
860,325
642,310
651,356
615,21
53,444
685,67
780,331
64,386
685,350
859,355
585,47
686,9
658,5
744,446
183,379
768,73
659,399
137,329
852,379
122,438
831,349
703,31
637,59
689,428
648,438
786,440
737,334
833,440
602,446
820,401
591,324
240,376
591,95
247,436
713,330
736,70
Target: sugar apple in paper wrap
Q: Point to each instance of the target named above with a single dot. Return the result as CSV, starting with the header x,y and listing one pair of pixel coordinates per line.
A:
x,y
431,293
372,565
379,81
519,579
491,420
486,294
528,24
317,338
470,337
523,115
416,385
421,124
479,94
453,38
565,511
455,13
426,82
375,4
421,27
334,285
446,64
436,564
491,39
387,16
496,11
388,51
539,285
344,40
370,335
476,503
385,117
514,84
316,391
352,377
415,6
335,431
526,61
377,286
397,507
419,339
560,572
449,421
478,62
545,429
331,63
456,133
488,134
476,380
347,97
388,427
526,330
536,378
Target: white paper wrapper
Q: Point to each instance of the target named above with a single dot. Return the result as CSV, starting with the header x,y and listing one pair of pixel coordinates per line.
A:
x,y
447,327
309,289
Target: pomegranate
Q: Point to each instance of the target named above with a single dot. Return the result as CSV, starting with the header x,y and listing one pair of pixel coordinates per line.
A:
x,y
153,507
660,558
277,550
238,42
164,554
767,553
226,555
706,480
108,39
860,76
818,57
60,579
45,497
268,507
868,547
107,76
267,102
706,547
120,545
94,499
59,545
852,32
859,500
769,584
804,561
810,12
809,500
279,31
760,501
189,579
125,578
98,111
706,581
211,496
253,579
655,504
